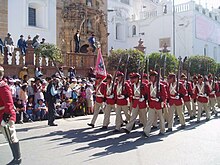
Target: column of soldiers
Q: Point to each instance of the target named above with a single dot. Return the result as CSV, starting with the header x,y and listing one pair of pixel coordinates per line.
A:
x,y
155,100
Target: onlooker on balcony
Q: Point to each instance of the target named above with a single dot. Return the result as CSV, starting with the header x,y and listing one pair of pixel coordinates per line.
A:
x,y
1,46
38,72
22,45
71,73
9,44
92,42
42,41
36,42
77,41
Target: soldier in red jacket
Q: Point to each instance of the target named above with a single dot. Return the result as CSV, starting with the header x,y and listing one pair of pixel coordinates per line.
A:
x,y
8,118
218,94
194,84
100,98
157,98
187,97
202,92
110,101
175,100
139,93
123,95
213,85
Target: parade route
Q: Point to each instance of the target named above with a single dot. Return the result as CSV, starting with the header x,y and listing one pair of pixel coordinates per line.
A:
x,y
73,142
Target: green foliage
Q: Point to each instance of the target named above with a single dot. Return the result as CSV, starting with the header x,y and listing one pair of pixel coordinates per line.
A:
x,y
50,51
136,57
202,65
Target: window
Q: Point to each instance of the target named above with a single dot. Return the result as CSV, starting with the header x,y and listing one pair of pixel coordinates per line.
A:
x,y
31,16
119,31
205,50
125,1
134,30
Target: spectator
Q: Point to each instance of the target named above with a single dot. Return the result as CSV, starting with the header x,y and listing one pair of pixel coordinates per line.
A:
x,y
22,44
19,111
66,106
24,71
12,88
89,98
38,72
36,42
71,73
25,79
92,42
67,92
91,73
40,110
60,72
1,46
9,44
77,41
30,108
31,87
23,96
42,41
38,92
59,110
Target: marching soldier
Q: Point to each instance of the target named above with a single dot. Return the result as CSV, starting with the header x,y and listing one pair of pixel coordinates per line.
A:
x,y
157,99
175,100
100,98
139,93
7,119
110,101
123,94
202,93
218,94
212,96
187,97
194,84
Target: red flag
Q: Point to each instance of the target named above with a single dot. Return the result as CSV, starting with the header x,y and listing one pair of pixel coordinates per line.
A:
x,y
100,66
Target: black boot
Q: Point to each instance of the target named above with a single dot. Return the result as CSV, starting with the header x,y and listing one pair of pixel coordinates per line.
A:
x,y
16,154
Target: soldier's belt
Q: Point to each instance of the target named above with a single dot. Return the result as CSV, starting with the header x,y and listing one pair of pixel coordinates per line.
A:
x,y
136,97
1,108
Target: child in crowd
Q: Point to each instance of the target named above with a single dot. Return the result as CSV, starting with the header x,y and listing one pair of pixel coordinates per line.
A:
x,y
30,107
40,110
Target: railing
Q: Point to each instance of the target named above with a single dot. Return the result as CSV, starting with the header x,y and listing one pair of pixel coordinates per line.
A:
x,y
183,7
147,15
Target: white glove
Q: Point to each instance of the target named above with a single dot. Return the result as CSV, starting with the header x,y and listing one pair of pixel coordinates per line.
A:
x,y
177,97
121,97
3,123
111,96
141,99
213,92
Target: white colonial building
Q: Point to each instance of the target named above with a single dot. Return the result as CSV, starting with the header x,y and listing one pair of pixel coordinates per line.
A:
x,y
197,30
31,17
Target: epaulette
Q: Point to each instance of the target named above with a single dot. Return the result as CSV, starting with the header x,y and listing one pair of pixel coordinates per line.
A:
x,y
2,84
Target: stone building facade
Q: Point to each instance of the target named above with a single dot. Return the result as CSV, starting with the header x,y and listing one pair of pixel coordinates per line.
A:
x,y
88,16
3,18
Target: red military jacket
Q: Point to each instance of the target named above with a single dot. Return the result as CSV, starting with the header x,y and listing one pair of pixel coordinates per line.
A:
x,y
122,92
214,88
100,92
139,91
218,92
157,102
6,101
172,93
189,91
202,92
110,98
194,96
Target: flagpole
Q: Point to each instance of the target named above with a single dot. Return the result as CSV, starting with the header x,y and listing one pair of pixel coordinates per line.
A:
x,y
174,30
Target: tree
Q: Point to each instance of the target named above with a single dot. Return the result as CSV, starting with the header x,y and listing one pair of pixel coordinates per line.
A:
x,y
136,61
201,65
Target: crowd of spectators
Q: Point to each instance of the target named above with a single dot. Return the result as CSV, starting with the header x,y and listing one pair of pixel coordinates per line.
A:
x,y
21,43
76,95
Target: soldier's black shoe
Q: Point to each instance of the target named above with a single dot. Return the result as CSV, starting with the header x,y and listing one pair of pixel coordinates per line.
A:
x,y
15,147
141,125
207,119
125,130
145,136
91,125
191,118
161,134
216,114
53,124
198,121
104,128
116,131
169,130
126,122
182,126
153,127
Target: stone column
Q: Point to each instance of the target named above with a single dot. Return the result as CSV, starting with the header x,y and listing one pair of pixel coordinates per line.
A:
x,y
3,18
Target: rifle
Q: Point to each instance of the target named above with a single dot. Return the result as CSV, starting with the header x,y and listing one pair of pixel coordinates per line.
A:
x,y
158,77
114,79
125,71
147,68
178,74
164,66
143,69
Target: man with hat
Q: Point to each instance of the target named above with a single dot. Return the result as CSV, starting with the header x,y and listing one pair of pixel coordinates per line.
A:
x,y
156,100
213,85
77,41
100,93
22,45
187,97
110,101
8,118
145,78
139,105
123,94
202,92
176,92
9,44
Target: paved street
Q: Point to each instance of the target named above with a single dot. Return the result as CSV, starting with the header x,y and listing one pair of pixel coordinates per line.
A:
x,y
72,142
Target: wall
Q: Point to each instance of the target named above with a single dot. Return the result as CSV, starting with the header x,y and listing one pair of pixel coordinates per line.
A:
x,y
46,19
3,18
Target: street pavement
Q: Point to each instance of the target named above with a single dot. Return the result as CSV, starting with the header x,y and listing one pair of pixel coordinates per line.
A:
x,y
74,143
